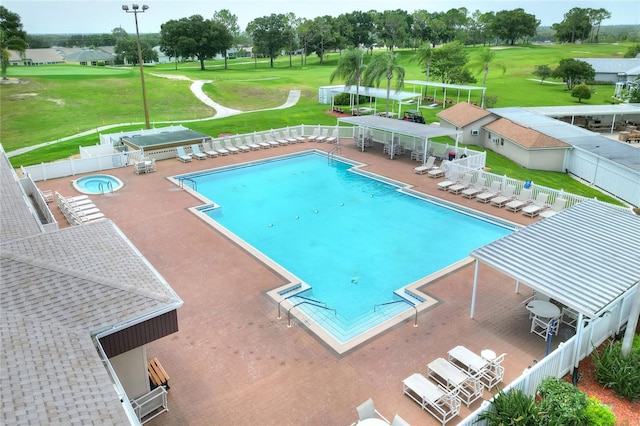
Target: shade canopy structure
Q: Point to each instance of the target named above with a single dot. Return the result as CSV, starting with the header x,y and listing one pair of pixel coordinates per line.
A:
x,y
585,257
400,127
444,86
398,97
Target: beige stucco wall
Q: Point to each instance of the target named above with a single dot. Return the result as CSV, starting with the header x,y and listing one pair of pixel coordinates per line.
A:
x,y
550,159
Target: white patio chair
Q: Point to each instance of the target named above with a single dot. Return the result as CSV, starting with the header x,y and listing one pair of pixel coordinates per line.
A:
x,y
544,327
367,410
569,317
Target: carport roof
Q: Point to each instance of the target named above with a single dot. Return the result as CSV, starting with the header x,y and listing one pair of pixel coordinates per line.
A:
x,y
536,119
376,92
402,127
584,257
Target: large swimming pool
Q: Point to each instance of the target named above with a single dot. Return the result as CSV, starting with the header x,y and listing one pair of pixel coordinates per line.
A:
x,y
353,239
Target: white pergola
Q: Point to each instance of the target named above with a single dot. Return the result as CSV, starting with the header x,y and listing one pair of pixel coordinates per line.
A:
x,y
444,87
416,130
397,97
586,257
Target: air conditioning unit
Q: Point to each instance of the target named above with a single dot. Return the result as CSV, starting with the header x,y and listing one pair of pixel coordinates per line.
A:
x,y
475,132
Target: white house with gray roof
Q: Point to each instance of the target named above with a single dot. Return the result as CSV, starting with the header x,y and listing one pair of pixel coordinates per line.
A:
x,y
614,70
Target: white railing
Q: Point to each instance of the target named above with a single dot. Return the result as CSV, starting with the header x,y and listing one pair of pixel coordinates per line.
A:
x,y
32,191
561,361
150,405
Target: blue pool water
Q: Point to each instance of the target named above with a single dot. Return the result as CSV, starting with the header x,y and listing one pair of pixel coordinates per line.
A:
x,y
353,239
97,184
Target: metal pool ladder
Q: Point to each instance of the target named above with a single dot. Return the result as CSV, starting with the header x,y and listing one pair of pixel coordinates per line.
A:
x,y
109,187
188,179
402,300
336,150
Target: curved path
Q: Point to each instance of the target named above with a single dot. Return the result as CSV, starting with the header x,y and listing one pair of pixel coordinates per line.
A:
x,y
196,89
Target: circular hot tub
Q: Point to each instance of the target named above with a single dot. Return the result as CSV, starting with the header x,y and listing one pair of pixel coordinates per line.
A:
x,y
97,184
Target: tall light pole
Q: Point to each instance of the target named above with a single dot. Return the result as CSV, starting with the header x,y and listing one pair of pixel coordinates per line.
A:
x,y
135,10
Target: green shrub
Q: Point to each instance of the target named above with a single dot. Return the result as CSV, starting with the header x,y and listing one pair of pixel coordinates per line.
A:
x,y
344,99
512,408
598,414
621,374
561,403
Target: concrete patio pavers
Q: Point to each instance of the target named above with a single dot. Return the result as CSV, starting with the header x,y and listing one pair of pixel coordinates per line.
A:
x,y
234,363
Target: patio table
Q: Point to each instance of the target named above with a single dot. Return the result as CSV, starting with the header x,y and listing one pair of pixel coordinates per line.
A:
x,y
543,309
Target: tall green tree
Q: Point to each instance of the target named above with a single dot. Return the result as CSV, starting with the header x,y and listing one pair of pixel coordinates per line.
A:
x,y
358,32
269,34
424,56
485,59
543,71
573,72
513,25
392,27
350,69
230,22
449,61
576,26
12,37
195,37
597,16
384,65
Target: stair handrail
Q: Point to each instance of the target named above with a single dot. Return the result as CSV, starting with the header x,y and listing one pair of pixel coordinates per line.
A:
x,y
415,320
301,297
306,302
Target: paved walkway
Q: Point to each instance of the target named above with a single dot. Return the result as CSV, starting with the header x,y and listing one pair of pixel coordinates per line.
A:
x,y
234,363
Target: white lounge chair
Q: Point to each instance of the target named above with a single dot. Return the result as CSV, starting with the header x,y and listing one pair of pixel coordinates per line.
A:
x,y
226,144
286,136
457,188
334,136
451,377
444,405
475,189
492,192
426,167
504,197
558,205
251,143
537,206
208,150
439,171
446,184
323,136
243,147
262,142
521,200
195,152
182,155
219,148
315,135
298,138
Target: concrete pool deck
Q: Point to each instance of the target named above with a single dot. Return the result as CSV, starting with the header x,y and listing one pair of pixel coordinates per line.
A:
x,y
234,363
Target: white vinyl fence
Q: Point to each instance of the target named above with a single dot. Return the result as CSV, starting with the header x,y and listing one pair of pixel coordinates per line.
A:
x,y
612,177
561,361
74,167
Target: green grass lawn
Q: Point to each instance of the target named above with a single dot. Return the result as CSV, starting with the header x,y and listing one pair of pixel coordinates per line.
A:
x,y
56,101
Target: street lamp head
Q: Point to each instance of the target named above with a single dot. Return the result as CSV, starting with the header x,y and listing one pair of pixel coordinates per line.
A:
x,y
125,7
135,6
145,7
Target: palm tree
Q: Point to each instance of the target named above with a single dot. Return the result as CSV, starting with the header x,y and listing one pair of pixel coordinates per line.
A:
x,y
482,62
424,55
350,69
386,66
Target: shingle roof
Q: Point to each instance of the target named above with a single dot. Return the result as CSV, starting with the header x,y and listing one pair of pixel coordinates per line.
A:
x,y
89,55
57,291
462,114
523,136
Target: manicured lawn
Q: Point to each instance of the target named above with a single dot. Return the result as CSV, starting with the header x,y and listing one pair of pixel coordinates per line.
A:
x,y
52,102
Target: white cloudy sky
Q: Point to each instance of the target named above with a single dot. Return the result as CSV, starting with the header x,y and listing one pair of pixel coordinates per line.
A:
x,y
102,16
